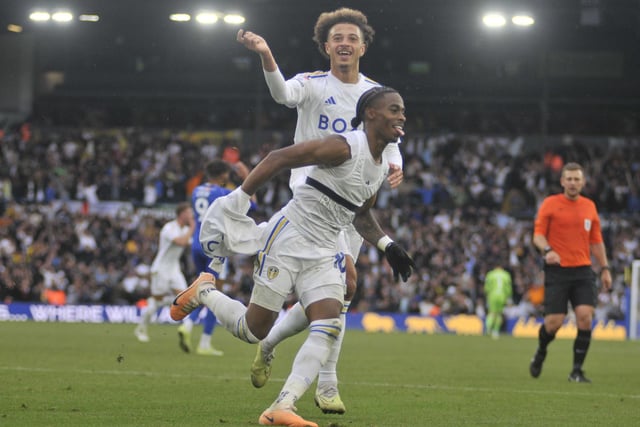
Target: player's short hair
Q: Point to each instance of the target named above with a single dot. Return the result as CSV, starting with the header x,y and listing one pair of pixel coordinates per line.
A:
x,y
216,168
367,99
182,207
572,166
327,20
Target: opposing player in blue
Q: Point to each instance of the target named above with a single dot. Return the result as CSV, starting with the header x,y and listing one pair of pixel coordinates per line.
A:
x,y
216,177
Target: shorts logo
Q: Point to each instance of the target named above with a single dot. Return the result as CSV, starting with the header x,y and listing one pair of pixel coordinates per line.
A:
x,y
272,272
587,224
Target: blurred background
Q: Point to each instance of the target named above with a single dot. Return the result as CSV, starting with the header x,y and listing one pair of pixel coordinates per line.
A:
x,y
108,110
578,59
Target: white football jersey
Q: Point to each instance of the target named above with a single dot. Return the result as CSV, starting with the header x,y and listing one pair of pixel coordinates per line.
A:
x,y
325,106
319,217
168,256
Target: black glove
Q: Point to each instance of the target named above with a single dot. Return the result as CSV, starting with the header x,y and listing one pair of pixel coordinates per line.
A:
x,y
400,261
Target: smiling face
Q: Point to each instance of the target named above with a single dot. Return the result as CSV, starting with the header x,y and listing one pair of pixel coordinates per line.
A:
x,y
345,45
388,114
572,182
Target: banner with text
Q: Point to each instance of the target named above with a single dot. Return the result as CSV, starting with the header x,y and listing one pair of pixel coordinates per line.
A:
x,y
370,322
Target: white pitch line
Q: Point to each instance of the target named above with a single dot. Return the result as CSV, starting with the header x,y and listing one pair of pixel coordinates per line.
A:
x,y
359,384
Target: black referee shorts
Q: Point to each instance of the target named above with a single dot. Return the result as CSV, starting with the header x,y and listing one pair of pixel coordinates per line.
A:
x,y
562,285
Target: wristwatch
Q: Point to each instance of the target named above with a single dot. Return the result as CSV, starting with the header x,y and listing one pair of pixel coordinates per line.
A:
x,y
546,250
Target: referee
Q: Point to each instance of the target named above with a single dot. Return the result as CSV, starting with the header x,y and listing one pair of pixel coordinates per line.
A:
x,y
567,233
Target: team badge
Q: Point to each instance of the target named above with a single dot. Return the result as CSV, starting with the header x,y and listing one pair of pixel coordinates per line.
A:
x,y
272,272
587,224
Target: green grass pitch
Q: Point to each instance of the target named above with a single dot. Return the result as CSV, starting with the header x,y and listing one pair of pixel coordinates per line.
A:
x,y
61,374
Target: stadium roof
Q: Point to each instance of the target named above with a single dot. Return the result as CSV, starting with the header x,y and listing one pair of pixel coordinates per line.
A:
x,y
430,46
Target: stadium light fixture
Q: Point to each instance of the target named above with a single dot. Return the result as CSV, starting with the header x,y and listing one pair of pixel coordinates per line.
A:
x,y
234,19
14,28
88,18
207,18
180,17
62,16
40,16
494,20
523,20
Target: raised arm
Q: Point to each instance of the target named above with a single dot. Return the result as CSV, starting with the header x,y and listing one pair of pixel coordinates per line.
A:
x,y
259,45
282,91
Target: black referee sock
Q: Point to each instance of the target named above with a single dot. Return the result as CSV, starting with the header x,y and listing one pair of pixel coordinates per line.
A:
x,y
580,347
544,338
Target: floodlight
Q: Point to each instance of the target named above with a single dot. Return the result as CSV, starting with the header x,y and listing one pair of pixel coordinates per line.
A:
x,y
234,19
180,17
62,16
39,16
89,18
14,28
522,20
207,18
494,20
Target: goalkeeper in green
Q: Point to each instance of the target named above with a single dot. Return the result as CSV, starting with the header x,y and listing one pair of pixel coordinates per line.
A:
x,y
497,291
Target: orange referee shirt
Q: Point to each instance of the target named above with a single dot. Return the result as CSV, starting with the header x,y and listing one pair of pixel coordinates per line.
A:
x,y
570,227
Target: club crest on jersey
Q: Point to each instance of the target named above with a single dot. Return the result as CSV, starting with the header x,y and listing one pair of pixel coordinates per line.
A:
x,y
587,225
272,272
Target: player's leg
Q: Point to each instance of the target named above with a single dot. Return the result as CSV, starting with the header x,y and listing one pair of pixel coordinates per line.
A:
x,y
272,284
489,321
202,264
327,396
142,330
204,347
556,298
583,299
185,329
292,323
323,309
496,307
249,324
159,287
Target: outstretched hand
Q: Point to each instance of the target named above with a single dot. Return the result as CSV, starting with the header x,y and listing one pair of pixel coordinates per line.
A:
x,y
252,41
400,261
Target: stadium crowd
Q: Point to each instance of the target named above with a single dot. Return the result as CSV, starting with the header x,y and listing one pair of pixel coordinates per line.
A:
x,y
80,213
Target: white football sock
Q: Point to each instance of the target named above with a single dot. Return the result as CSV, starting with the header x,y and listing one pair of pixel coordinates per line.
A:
x,y
205,340
311,356
293,322
152,306
328,376
230,313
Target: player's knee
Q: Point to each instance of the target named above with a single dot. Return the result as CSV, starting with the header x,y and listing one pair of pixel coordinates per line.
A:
x,y
259,321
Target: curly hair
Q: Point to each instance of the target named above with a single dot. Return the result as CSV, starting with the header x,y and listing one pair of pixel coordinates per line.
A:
x,y
327,20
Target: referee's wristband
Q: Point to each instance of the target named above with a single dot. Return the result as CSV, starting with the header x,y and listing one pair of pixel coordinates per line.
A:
x,y
606,267
383,242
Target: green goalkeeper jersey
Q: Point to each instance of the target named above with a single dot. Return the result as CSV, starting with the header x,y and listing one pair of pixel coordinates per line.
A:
x,y
498,283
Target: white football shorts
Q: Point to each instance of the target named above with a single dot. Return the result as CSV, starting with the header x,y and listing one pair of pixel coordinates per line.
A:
x,y
290,263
